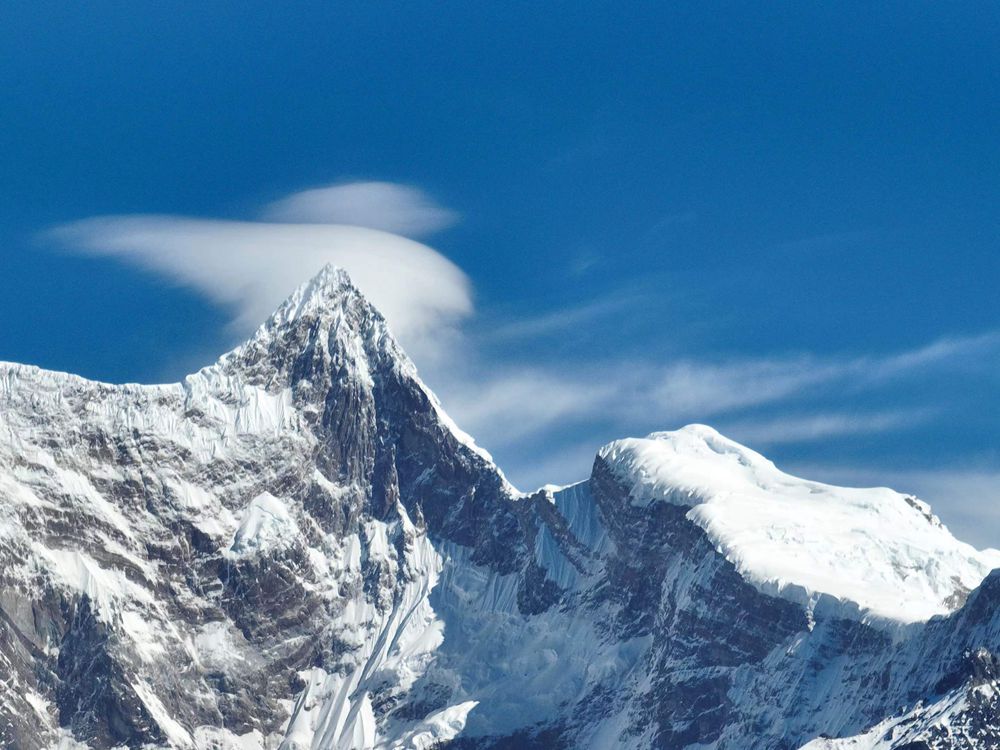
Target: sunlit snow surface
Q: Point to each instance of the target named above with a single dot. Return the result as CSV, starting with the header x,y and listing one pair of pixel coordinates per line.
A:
x,y
883,551
942,725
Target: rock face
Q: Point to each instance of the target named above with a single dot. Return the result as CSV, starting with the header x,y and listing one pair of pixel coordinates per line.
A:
x,y
296,548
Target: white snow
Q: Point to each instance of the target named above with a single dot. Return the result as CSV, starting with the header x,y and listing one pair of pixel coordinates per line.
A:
x,y
393,646
80,572
266,524
219,645
557,568
216,738
583,517
137,463
911,727
437,728
520,670
177,735
38,703
874,547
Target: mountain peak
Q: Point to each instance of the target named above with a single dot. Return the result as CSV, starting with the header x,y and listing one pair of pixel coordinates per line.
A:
x,y
325,317
322,292
875,548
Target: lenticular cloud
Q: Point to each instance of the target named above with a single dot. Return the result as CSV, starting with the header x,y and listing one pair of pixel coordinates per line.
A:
x,y
250,266
399,209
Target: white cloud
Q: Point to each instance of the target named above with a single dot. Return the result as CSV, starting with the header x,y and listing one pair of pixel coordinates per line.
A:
x,y
503,405
559,321
963,350
399,209
700,389
809,428
251,267
527,415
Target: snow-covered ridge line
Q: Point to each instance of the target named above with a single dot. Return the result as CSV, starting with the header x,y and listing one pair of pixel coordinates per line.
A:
x,y
876,548
10,370
315,297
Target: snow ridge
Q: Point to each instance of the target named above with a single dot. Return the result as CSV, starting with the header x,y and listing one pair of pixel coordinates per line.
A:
x,y
878,549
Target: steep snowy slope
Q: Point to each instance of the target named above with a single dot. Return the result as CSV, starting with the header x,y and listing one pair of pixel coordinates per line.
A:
x,y
296,548
875,548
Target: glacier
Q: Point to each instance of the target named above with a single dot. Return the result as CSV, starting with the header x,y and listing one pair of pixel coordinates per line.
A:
x,y
296,548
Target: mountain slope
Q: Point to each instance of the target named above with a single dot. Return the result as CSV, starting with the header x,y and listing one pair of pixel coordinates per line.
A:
x,y
875,548
296,548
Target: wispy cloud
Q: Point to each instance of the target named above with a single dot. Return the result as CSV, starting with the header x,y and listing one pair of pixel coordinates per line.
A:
x,y
699,388
507,406
559,321
809,428
400,209
250,266
504,405
957,350
707,388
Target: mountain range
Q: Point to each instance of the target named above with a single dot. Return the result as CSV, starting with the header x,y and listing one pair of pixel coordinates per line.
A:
x,y
295,548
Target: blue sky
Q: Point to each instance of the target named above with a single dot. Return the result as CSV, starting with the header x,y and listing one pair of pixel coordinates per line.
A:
x,y
779,219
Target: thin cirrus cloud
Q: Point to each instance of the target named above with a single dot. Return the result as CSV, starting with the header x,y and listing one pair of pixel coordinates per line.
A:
x,y
505,406
400,209
693,387
559,321
813,427
249,267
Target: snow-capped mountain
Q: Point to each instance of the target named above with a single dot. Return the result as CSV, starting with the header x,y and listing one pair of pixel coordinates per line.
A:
x,y
296,548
